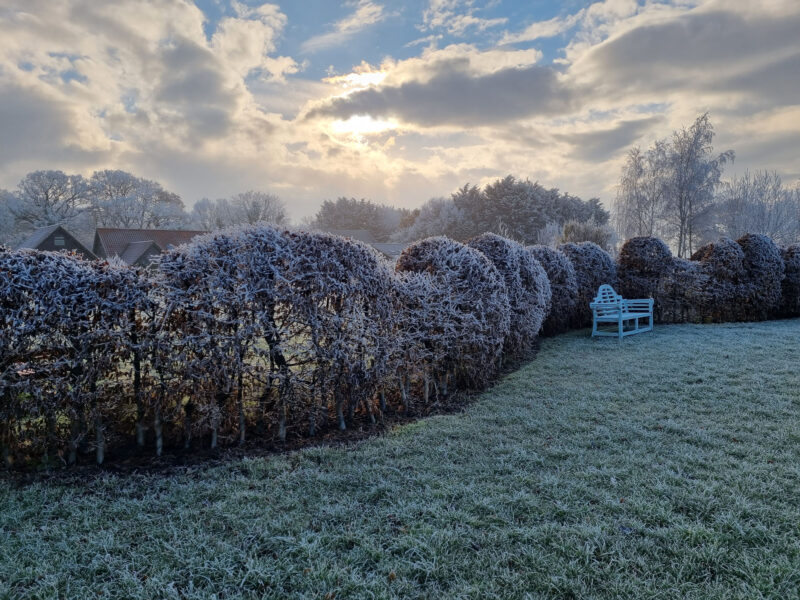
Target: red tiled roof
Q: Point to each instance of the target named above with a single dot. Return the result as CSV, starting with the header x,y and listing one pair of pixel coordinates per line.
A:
x,y
115,241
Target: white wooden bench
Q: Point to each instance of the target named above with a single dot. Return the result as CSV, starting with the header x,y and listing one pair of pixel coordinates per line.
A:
x,y
610,307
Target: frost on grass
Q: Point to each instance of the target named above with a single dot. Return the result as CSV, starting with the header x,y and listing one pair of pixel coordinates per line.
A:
x,y
528,288
563,286
674,481
478,308
593,267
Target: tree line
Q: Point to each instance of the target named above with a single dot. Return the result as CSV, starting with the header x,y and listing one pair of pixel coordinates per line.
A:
x,y
520,209
674,190
114,198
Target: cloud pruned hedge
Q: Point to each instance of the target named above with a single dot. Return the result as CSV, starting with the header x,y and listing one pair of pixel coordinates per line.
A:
x,y
593,267
790,286
479,309
527,285
260,333
563,285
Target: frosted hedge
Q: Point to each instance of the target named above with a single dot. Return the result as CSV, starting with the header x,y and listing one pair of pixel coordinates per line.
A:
x,y
257,333
727,280
563,285
478,312
593,267
527,286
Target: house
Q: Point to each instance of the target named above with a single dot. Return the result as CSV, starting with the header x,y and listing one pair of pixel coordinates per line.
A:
x,y
138,246
54,238
389,250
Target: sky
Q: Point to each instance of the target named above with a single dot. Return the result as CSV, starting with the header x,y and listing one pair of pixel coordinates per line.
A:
x,y
394,101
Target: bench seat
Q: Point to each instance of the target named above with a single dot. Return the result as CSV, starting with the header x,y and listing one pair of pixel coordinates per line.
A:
x,y
626,316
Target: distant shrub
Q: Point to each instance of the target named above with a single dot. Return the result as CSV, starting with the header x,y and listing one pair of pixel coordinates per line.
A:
x,y
641,264
479,310
527,285
790,286
586,231
563,285
593,267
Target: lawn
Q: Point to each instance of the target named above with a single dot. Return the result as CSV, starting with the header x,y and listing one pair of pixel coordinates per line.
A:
x,y
667,466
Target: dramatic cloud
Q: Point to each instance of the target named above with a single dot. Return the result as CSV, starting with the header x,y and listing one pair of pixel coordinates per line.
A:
x,y
455,97
211,103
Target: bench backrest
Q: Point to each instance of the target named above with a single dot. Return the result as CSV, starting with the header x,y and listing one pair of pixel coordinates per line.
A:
x,y
607,300
607,295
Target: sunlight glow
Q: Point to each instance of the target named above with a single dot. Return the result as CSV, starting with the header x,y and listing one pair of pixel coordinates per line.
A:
x,y
357,80
359,125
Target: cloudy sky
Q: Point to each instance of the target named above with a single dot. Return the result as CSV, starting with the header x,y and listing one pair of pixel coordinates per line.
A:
x,y
394,101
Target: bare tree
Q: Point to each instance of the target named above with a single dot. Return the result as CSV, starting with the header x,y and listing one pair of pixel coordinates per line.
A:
x,y
120,199
8,229
669,190
246,208
641,195
759,203
694,174
254,207
48,198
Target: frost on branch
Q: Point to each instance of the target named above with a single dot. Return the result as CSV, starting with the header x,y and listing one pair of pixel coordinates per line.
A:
x,y
790,286
723,259
299,319
725,281
62,349
424,331
527,285
479,308
341,294
684,293
743,279
593,267
563,285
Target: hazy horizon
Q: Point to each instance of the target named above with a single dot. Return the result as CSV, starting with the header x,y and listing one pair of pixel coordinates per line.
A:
x,y
397,103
